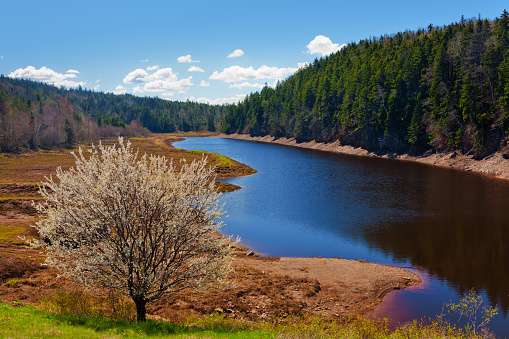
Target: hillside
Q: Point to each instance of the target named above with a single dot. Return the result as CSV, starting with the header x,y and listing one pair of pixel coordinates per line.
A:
x,y
441,88
35,114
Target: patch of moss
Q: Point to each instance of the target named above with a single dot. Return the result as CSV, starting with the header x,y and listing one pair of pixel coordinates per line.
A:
x,y
215,159
8,232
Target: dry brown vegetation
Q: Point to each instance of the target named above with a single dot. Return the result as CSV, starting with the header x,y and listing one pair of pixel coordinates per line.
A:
x,y
267,288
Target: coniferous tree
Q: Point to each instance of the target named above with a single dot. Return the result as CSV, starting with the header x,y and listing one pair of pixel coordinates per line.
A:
x,y
441,88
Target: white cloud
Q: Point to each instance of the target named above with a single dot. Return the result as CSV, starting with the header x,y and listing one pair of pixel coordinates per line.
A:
x,y
323,45
195,69
43,74
69,83
203,83
238,73
186,58
163,73
236,53
1,57
246,84
168,85
140,75
120,90
136,76
222,101
303,64
152,68
73,71
96,87
48,75
163,80
144,60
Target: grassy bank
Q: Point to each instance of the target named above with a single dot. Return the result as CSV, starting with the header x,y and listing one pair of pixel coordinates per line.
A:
x,y
28,322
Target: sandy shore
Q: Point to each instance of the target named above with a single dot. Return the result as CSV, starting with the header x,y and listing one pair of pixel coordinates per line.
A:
x,y
321,286
346,287
494,164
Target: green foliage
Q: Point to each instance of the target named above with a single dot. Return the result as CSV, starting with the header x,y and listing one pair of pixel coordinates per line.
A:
x,y
361,327
113,121
12,282
469,309
69,133
406,92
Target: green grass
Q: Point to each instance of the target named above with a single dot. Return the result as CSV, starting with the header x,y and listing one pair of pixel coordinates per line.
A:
x,y
27,322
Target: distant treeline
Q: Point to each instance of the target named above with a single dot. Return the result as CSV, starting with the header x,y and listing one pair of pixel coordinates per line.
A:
x,y
35,114
441,87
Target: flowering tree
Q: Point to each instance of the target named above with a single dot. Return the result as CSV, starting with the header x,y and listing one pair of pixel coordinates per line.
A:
x,y
134,224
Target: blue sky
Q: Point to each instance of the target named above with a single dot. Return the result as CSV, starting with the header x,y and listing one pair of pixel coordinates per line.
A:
x,y
206,51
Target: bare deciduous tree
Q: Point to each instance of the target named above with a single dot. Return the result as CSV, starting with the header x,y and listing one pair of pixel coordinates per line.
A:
x,y
134,224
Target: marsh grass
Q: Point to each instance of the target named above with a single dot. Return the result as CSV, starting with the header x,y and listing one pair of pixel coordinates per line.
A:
x,y
360,327
16,184
216,159
15,267
83,303
224,166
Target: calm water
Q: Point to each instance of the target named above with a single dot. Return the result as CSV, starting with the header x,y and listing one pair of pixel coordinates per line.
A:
x,y
451,226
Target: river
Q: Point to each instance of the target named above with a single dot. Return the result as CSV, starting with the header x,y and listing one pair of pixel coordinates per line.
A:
x,y
451,227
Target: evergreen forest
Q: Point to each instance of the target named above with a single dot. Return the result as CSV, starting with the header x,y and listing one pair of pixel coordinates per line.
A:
x,y
438,88
38,115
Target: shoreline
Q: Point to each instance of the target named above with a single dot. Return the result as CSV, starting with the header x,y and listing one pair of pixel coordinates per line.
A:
x,y
493,165
267,286
344,287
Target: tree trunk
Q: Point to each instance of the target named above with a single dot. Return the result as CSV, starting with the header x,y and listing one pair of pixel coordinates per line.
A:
x,y
141,310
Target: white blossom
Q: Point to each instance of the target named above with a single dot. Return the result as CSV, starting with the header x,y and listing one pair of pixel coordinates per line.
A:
x,y
134,224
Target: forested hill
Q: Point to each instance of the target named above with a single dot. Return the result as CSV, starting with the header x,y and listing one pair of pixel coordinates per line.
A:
x,y
441,87
35,114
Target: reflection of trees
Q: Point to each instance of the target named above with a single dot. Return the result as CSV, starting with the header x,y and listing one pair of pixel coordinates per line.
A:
x,y
464,239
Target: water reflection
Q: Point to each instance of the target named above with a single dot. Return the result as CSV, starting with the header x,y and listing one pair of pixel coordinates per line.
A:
x,y
466,249
454,224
